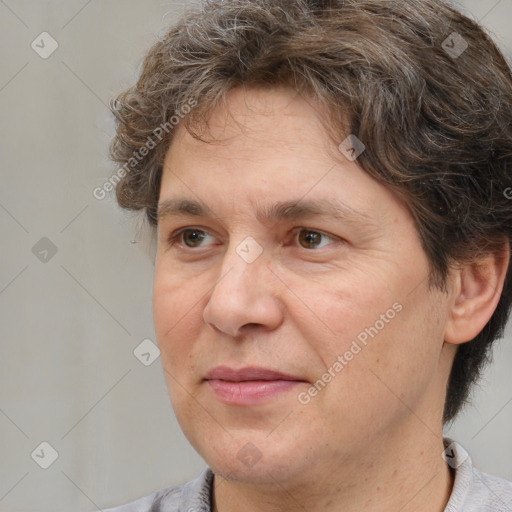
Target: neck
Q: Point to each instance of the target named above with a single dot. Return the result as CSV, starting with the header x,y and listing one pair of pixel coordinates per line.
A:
x,y
396,472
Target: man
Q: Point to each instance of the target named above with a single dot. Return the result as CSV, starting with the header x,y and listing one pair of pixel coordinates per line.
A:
x,y
340,168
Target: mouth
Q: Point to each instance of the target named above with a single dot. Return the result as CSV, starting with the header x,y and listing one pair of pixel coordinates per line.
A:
x,y
250,385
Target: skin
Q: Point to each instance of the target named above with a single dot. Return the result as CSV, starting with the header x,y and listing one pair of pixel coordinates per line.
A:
x,y
371,439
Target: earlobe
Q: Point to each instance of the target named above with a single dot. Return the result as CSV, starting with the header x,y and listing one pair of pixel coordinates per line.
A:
x,y
476,291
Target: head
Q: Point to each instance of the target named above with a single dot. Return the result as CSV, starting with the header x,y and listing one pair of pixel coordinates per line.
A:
x,y
245,104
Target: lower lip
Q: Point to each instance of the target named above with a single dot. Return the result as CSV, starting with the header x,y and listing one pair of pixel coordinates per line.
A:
x,y
251,391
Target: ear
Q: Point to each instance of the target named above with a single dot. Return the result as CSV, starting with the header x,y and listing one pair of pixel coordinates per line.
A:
x,y
476,291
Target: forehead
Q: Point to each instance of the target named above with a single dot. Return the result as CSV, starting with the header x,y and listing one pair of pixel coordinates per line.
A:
x,y
266,148
276,118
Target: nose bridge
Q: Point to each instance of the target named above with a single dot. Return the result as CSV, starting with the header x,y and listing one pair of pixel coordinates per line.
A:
x,y
241,294
242,266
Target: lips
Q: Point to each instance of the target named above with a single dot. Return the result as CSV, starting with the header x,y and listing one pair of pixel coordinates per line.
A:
x,y
247,374
250,385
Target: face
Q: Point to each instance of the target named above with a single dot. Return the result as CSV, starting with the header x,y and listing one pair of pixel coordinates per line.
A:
x,y
291,300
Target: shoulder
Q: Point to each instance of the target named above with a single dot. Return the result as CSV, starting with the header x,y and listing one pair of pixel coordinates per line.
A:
x,y
490,493
473,490
193,495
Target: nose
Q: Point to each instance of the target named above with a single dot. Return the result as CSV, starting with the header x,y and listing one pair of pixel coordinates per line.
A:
x,y
245,296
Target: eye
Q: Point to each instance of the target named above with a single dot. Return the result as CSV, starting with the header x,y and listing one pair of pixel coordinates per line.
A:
x,y
311,239
193,238
188,237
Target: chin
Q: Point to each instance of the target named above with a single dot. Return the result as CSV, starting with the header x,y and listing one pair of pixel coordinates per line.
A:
x,y
252,459
262,473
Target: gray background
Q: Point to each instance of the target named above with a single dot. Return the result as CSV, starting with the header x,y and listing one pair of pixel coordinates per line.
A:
x,y
70,321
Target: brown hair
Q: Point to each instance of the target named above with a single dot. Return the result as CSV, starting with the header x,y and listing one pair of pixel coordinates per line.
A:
x,y
423,87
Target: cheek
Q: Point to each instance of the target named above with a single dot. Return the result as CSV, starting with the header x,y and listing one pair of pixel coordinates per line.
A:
x,y
342,310
396,367
177,320
174,297
177,316
389,339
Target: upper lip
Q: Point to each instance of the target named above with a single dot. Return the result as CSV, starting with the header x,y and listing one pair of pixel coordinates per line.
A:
x,y
247,373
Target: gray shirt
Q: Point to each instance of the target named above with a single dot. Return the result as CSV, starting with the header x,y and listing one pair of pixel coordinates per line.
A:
x,y
473,491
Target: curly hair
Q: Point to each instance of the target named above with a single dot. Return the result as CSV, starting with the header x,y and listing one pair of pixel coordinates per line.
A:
x,y
422,86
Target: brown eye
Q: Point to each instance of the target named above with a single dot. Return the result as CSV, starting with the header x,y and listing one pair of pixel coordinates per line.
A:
x,y
310,239
192,237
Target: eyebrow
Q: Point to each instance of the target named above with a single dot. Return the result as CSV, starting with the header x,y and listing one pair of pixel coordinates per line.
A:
x,y
285,210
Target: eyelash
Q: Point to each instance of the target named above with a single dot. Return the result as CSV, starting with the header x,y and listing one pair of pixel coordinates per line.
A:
x,y
173,238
